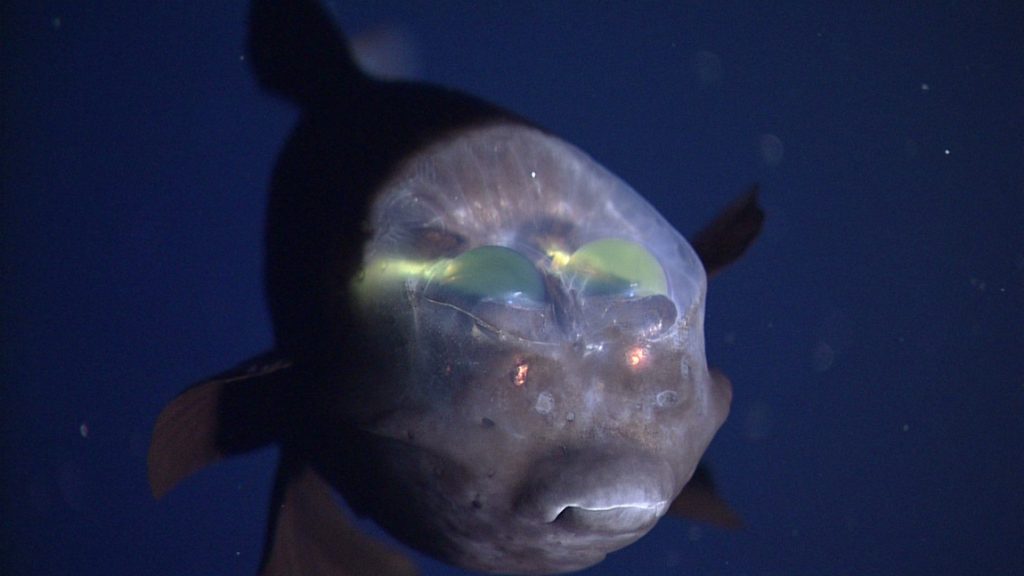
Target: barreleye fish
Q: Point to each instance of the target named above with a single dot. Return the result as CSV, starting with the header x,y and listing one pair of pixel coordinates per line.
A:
x,y
484,341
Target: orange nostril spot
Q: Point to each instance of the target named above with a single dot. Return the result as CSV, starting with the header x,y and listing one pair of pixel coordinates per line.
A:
x,y
520,372
636,356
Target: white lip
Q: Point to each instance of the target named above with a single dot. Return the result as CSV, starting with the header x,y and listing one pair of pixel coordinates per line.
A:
x,y
630,518
658,508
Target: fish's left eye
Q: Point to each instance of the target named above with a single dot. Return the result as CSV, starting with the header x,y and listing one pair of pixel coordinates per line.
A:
x,y
498,289
487,273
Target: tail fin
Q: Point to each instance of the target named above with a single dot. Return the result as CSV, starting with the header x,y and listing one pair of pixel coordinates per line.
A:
x,y
297,50
231,413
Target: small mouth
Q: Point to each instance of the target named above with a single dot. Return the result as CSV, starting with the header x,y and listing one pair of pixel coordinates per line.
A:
x,y
618,519
619,495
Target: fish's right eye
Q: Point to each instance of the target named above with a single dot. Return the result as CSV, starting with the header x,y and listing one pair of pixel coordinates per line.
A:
x,y
486,273
615,267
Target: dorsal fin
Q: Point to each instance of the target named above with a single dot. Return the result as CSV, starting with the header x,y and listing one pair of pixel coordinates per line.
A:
x,y
298,51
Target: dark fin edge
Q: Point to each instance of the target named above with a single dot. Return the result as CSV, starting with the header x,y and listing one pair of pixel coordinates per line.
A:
x,y
698,501
729,235
298,51
231,413
309,534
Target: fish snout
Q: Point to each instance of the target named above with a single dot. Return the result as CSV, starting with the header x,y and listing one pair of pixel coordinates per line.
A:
x,y
588,492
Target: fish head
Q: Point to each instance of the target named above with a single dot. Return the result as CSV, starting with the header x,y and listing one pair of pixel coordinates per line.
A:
x,y
542,393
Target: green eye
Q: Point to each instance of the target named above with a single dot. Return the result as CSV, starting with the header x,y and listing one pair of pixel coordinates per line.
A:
x,y
489,273
615,267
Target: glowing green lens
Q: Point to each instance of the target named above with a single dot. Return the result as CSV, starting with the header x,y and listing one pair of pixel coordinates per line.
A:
x,y
489,273
615,267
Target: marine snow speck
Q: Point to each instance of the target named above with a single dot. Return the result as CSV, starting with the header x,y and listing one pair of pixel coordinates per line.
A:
x,y
484,341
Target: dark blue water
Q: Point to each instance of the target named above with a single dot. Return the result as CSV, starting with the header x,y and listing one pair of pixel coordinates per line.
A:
x,y
874,335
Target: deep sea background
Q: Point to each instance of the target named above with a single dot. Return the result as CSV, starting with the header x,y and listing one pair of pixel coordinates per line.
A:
x,y
874,335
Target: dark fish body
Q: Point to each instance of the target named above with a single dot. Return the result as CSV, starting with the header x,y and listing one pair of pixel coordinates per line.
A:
x,y
483,340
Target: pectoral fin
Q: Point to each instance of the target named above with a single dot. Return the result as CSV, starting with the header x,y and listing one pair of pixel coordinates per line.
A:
x,y
231,413
309,534
729,235
698,501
